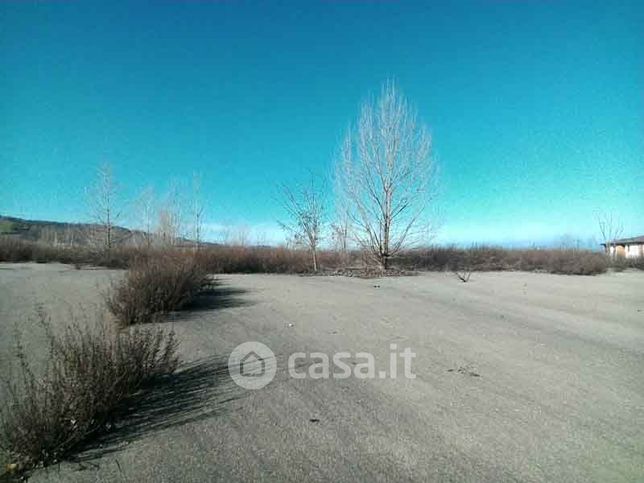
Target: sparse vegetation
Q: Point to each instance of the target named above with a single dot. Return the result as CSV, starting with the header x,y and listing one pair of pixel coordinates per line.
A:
x,y
155,285
559,261
16,250
249,259
91,369
240,259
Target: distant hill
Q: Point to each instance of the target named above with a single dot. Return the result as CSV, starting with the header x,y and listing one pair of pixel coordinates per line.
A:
x,y
58,233
70,234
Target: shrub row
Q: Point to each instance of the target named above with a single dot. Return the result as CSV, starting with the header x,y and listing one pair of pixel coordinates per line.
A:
x,y
231,259
573,262
16,250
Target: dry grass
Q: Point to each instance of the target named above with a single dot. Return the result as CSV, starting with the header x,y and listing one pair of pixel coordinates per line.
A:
x,y
155,285
89,373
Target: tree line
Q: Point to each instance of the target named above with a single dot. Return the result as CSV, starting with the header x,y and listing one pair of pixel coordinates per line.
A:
x,y
383,184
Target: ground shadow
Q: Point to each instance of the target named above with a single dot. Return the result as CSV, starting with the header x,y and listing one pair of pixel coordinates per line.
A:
x,y
217,296
197,391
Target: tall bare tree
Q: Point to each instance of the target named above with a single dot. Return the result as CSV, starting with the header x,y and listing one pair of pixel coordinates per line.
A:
x,y
196,212
305,208
389,175
146,211
610,229
341,225
170,225
104,206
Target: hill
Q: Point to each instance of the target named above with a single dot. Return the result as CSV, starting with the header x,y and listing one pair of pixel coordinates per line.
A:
x,y
60,233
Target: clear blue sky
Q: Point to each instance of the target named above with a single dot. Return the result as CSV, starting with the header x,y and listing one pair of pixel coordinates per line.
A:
x,y
536,107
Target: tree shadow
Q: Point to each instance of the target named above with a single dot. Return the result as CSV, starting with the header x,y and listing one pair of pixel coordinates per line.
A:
x,y
197,391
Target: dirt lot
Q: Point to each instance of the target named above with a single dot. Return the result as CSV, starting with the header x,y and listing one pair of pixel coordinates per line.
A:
x,y
519,376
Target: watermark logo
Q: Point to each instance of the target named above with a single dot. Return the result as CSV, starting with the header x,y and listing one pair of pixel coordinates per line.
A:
x,y
252,365
343,365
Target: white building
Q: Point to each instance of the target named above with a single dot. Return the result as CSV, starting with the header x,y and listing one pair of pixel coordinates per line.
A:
x,y
626,247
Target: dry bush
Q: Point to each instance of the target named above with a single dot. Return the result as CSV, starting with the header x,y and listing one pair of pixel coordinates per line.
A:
x,y
566,262
89,373
16,250
619,264
637,263
232,259
465,268
155,285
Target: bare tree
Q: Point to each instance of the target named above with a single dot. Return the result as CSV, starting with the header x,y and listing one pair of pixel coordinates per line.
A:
x,y
170,223
147,212
305,208
341,232
341,225
389,176
610,229
241,236
196,212
105,211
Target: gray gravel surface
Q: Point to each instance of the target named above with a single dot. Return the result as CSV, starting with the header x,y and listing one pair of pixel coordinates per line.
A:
x,y
519,377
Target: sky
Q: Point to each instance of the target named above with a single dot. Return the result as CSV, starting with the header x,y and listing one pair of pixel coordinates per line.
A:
x,y
536,108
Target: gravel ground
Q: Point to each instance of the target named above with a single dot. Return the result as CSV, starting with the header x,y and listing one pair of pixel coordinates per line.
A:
x,y
519,376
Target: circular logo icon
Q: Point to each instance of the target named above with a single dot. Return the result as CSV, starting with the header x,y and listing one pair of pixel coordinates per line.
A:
x,y
252,365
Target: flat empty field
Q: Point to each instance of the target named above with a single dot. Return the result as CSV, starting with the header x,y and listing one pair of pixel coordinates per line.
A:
x,y
519,376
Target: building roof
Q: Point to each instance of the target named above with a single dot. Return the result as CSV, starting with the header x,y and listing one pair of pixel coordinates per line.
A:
x,y
627,241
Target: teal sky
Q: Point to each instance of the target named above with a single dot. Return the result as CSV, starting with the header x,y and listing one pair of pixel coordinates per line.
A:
x,y
536,107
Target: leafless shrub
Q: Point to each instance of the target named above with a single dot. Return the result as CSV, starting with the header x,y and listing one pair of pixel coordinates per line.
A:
x,y
637,263
463,275
89,372
463,267
155,285
619,264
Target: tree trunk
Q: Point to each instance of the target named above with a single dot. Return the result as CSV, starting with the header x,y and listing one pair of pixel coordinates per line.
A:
x,y
315,260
